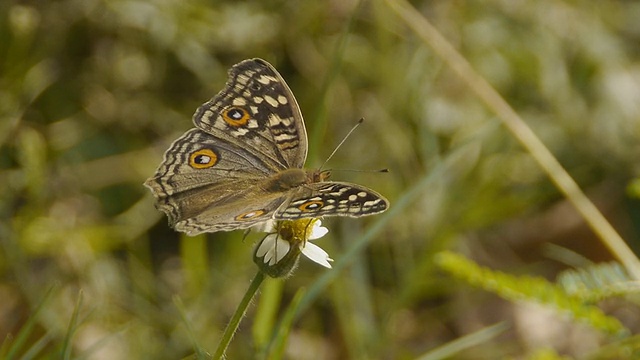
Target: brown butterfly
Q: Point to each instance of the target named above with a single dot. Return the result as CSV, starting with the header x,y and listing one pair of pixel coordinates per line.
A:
x,y
242,163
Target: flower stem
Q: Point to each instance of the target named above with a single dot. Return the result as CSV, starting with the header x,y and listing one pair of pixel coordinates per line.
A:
x,y
241,310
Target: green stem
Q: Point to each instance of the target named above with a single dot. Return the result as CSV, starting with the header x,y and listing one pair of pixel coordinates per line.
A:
x,y
241,310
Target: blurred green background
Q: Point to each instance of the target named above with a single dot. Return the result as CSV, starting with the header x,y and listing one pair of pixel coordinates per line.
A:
x,y
92,92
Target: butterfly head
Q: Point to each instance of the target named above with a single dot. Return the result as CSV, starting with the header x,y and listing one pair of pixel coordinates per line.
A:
x,y
319,175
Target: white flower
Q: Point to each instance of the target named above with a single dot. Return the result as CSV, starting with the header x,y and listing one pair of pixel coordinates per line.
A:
x,y
290,234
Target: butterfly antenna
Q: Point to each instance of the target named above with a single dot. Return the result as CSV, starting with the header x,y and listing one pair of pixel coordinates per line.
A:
x,y
363,171
342,142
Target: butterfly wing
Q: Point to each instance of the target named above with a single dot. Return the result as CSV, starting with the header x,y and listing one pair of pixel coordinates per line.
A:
x,y
243,213
209,184
257,109
331,199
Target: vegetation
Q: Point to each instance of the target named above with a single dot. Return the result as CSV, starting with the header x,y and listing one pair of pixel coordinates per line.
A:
x,y
495,118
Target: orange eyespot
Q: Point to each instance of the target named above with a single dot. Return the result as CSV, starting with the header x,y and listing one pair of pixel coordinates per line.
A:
x,y
249,215
235,116
311,205
203,158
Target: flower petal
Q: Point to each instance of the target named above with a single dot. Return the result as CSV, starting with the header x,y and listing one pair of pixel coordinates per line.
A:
x,y
266,245
316,254
318,231
281,249
272,249
265,226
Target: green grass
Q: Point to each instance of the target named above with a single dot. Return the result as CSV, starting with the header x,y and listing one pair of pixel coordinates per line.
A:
x,y
510,130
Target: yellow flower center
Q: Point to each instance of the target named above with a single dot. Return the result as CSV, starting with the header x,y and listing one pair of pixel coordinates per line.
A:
x,y
295,231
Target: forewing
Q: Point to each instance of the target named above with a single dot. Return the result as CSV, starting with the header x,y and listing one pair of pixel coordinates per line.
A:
x,y
332,199
257,109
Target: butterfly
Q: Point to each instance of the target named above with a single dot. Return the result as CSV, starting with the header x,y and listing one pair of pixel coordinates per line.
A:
x,y
242,163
